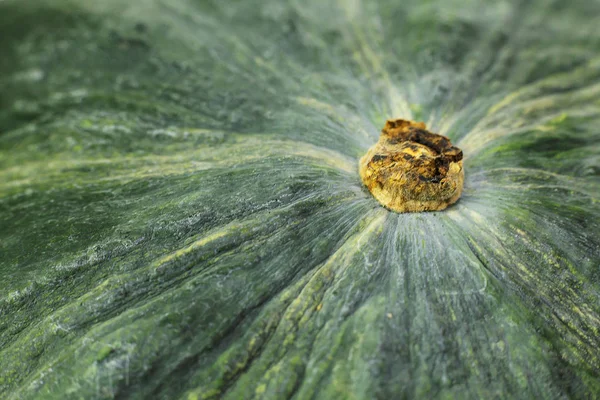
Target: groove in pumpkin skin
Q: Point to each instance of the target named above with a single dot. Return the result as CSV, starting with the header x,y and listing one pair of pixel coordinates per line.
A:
x,y
129,168
299,311
113,284
579,335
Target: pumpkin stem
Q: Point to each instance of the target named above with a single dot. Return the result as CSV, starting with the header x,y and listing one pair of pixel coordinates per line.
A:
x,y
411,169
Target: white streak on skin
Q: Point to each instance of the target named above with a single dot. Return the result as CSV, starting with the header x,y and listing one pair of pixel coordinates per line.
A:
x,y
365,238
372,62
510,121
342,117
149,166
559,180
564,79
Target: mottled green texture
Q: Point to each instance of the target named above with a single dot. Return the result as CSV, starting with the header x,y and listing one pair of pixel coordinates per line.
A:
x,y
181,213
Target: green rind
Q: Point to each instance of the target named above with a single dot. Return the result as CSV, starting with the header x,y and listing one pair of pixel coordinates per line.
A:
x,y
182,215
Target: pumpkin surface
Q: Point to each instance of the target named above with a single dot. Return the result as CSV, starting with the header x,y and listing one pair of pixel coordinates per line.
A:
x,y
181,214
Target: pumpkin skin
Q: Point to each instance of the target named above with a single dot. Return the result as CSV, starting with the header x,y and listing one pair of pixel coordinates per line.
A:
x,y
182,215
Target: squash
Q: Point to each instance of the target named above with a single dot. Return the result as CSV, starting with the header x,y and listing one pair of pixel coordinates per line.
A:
x,y
182,215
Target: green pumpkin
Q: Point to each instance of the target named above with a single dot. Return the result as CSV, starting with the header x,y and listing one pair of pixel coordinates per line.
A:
x,y
181,214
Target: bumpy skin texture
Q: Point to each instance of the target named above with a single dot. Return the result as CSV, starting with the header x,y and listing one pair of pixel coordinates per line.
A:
x,y
182,217
411,169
